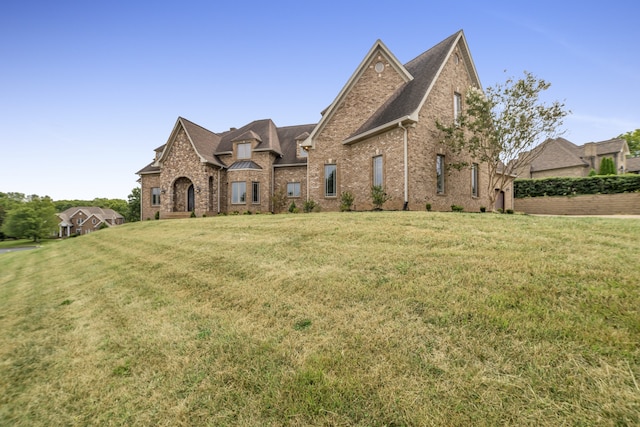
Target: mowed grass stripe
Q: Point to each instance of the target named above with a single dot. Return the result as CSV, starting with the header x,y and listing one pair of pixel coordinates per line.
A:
x,y
384,318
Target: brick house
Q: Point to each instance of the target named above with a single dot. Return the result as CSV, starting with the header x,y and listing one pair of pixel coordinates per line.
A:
x,y
560,157
86,219
379,130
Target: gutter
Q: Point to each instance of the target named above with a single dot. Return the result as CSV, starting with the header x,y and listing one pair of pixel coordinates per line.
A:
x,y
405,207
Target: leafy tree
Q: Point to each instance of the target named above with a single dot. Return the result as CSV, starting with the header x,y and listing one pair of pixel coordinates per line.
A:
x,y
501,126
633,141
607,167
133,206
34,219
8,201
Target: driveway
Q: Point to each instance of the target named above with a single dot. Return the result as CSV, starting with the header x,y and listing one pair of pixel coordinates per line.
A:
x,y
19,248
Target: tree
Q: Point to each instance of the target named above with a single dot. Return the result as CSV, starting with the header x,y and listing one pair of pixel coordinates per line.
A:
x,y
133,206
501,126
633,141
34,219
607,167
8,201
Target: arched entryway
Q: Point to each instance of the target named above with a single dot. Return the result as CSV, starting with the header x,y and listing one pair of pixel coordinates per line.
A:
x,y
184,199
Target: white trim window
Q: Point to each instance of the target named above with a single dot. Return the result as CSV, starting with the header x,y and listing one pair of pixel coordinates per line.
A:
x,y
243,150
293,189
238,192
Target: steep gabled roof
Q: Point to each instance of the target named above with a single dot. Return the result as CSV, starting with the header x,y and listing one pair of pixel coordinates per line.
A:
x,y
409,99
264,131
203,141
611,146
633,164
102,214
377,48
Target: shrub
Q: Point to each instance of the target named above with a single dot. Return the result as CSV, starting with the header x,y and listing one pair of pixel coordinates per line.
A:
x,y
509,211
567,186
483,209
247,213
157,215
593,172
193,214
292,207
428,206
346,201
309,206
457,208
379,197
607,167
279,200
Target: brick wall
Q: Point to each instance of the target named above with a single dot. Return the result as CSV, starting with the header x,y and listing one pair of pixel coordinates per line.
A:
x,y
593,204
148,182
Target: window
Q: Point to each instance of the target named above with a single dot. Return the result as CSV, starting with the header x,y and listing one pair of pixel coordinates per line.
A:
x,y
238,192
440,174
330,181
79,221
255,192
243,150
94,221
155,196
474,180
377,171
293,189
457,106
302,152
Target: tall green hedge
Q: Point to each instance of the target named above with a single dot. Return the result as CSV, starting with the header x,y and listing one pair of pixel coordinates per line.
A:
x,y
609,184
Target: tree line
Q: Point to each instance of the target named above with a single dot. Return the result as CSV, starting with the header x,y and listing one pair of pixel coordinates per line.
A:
x,y
34,217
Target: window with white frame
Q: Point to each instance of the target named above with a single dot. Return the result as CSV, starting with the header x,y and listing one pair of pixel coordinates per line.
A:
x,y
474,180
330,180
238,192
255,192
293,189
440,174
457,106
155,196
243,150
377,171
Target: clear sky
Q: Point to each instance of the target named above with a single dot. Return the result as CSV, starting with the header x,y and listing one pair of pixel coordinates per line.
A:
x,y
89,89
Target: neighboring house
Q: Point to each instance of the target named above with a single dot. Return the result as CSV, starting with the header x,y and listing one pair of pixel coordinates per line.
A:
x,y
85,219
560,157
633,164
379,130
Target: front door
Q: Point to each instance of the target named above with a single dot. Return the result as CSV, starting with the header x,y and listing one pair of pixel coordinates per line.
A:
x,y
190,199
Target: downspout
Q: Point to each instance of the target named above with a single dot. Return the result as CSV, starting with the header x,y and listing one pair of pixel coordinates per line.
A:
x,y
405,207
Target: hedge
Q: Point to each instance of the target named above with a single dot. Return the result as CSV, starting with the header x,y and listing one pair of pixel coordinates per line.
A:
x,y
610,184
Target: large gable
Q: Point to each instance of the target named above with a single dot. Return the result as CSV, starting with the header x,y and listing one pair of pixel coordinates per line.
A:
x,y
203,141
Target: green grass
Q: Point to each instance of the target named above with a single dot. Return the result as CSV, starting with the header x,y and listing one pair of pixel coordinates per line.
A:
x,y
370,319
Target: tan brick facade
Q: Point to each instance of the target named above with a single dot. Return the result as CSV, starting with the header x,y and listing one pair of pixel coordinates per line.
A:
x,y
406,144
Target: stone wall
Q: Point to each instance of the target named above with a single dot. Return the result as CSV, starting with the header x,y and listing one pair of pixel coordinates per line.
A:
x,y
592,204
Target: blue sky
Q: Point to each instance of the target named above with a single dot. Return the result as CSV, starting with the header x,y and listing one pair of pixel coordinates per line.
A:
x,y
89,89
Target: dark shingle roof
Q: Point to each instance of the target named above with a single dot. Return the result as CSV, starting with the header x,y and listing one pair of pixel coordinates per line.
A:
x,y
289,137
557,153
265,131
406,100
204,141
150,168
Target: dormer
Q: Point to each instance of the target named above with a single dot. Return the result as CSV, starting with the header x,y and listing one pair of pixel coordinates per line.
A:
x,y
244,145
302,151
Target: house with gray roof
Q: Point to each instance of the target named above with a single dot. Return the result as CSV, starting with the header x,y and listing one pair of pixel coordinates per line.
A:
x,y
86,219
378,131
559,157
